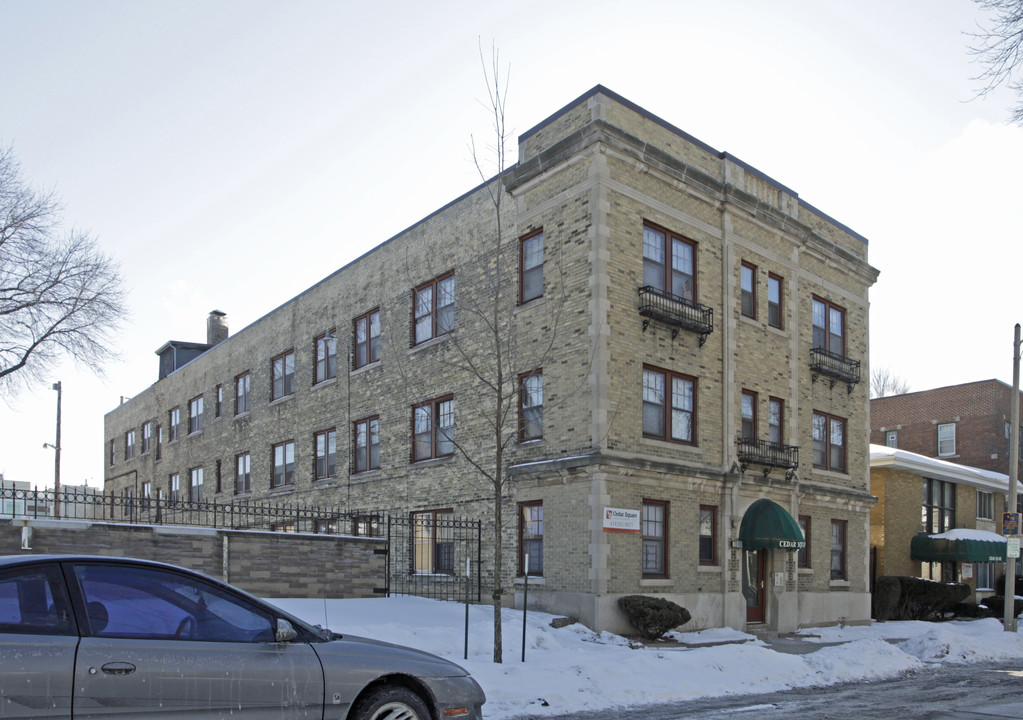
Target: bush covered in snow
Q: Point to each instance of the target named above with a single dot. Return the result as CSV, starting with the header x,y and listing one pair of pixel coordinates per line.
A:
x,y
652,616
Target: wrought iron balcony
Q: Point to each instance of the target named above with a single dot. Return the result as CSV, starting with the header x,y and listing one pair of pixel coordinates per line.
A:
x,y
835,367
675,311
768,454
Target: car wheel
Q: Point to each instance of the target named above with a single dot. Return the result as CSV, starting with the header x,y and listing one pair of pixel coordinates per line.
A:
x,y
394,703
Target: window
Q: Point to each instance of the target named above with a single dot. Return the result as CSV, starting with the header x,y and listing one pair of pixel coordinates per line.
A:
x,y
129,445
113,451
669,263
531,406
147,436
946,439
675,421
325,352
433,307
159,442
803,555
654,528
939,506
774,301
195,495
243,474
985,575
175,424
531,267
326,454
531,537
33,601
891,438
433,428
749,415
748,287
433,542
828,442
242,389
828,327
367,338
283,367
175,487
367,444
708,535
775,421
220,400
985,505
284,464
219,485
195,415
838,535
147,493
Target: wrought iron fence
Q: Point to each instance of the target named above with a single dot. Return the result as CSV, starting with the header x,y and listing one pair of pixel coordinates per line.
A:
x,y
238,515
434,555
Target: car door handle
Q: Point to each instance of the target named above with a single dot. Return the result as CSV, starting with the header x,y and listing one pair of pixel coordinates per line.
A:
x,y
119,668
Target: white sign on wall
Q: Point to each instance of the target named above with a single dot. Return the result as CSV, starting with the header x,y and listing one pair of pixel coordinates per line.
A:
x,y
621,520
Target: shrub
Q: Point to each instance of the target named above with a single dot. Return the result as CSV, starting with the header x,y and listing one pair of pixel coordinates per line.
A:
x,y
970,610
996,604
916,599
652,616
887,590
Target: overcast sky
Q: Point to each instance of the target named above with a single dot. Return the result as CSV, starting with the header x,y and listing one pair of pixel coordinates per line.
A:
x,y
231,153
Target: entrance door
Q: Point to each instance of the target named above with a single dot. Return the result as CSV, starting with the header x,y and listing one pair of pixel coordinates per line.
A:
x,y
754,570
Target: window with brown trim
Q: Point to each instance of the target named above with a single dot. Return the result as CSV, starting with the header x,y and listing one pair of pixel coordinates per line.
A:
x,y
433,542
774,300
828,441
242,390
195,493
129,445
828,327
775,421
654,529
838,550
325,354
174,424
366,441
195,413
803,556
433,309
708,535
531,267
669,405
366,329
669,262
147,436
748,429
325,447
283,370
433,429
243,474
748,289
220,400
531,537
531,406
283,455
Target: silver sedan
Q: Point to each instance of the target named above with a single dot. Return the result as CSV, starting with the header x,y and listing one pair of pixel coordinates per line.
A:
x,y
91,637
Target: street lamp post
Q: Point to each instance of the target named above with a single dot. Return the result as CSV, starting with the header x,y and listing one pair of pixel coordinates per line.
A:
x,y
1009,614
56,458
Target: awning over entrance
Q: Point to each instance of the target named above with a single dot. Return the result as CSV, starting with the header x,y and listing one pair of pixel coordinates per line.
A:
x,y
767,525
959,545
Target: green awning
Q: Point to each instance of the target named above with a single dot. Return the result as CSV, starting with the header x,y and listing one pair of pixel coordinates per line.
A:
x,y
766,524
960,545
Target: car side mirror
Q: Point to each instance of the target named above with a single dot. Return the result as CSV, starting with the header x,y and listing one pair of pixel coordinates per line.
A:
x,y
285,632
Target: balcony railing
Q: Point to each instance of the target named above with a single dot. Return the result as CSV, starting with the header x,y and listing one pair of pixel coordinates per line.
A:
x,y
836,367
675,311
767,454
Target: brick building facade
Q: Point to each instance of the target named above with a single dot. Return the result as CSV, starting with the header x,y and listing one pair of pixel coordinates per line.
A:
x,y
681,337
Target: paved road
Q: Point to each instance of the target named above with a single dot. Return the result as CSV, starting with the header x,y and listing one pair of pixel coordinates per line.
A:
x,y
960,692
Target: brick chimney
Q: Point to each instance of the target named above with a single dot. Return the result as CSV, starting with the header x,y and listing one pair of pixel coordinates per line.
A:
x,y
216,328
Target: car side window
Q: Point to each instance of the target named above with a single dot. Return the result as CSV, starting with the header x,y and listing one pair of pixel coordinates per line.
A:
x,y
124,601
33,601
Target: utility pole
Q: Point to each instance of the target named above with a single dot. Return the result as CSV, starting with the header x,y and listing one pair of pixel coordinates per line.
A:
x,y
1009,616
56,458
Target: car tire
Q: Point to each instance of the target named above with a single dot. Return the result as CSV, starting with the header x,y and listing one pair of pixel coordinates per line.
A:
x,y
392,703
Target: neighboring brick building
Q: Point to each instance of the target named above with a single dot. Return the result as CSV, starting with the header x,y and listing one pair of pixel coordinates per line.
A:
x,y
683,326
954,496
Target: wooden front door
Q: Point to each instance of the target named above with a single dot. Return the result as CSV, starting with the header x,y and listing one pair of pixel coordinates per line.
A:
x,y
754,572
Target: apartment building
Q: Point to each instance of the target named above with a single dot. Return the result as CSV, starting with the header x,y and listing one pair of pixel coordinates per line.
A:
x,y
681,341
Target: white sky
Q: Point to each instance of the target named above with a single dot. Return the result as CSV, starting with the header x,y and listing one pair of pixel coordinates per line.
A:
x,y
573,669
231,153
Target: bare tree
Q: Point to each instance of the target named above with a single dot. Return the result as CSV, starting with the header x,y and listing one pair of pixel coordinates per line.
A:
x,y
59,295
998,47
883,382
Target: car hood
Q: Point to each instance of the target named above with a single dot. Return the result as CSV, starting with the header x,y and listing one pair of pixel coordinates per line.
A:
x,y
385,657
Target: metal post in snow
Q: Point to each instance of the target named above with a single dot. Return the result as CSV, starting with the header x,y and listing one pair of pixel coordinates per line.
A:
x,y
525,603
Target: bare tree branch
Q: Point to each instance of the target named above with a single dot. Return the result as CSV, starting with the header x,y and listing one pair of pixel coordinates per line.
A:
x,y
883,382
998,47
59,295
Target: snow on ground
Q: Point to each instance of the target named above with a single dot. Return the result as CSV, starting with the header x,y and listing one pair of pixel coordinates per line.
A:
x,y
575,669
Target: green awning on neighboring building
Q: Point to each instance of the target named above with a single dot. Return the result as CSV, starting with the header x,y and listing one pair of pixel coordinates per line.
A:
x,y
959,545
767,525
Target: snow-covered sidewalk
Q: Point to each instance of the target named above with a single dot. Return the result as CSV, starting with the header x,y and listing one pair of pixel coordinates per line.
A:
x,y
573,669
